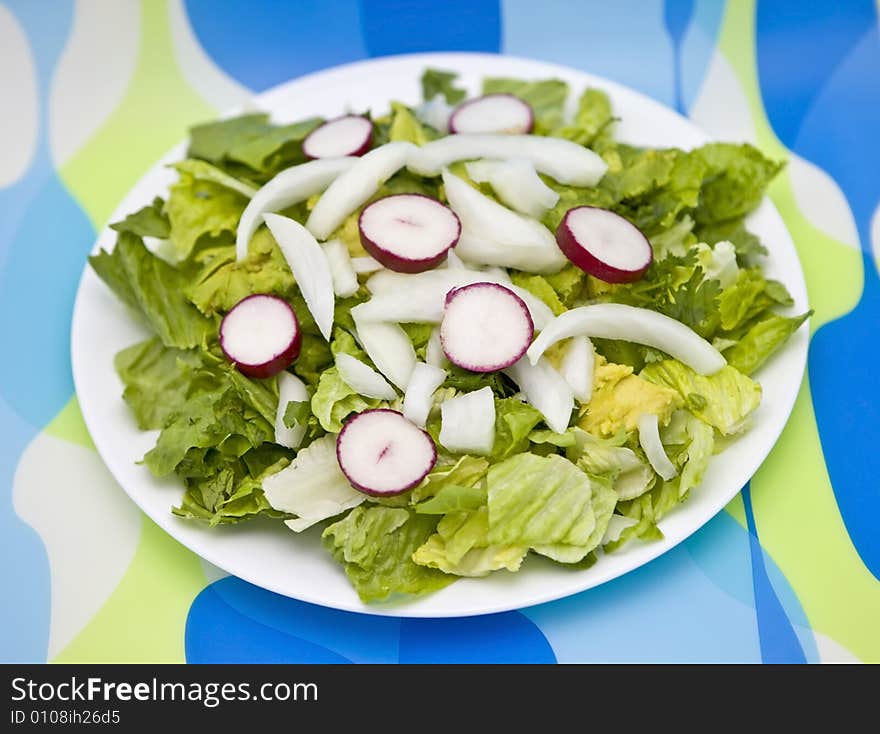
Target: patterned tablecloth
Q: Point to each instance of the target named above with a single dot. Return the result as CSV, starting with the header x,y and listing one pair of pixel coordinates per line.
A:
x,y
94,91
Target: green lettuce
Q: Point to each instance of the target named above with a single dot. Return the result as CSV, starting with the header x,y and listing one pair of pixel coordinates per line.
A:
x,y
278,148
148,221
762,339
213,141
334,401
592,121
406,127
539,500
540,287
436,81
453,498
465,473
197,207
461,546
514,421
155,289
375,544
629,473
723,400
204,171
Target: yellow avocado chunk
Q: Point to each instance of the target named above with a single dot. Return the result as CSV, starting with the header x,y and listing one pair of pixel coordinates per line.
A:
x,y
620,397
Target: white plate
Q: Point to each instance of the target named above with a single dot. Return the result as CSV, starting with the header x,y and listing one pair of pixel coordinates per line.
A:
x,y
269,555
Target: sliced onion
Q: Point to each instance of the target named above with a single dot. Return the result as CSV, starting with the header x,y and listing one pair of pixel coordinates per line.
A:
x,y
577,367
639,325
419,297
390,349
289,187
309,265
517,184
363,379
467,422
290,390
345,281
567,162
366,264
494,235
434,354
355,186
649,440
419,397
545,390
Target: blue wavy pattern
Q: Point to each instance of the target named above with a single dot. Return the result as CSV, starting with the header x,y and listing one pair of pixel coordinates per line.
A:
x,y
233,621
262,43
44,238
825,106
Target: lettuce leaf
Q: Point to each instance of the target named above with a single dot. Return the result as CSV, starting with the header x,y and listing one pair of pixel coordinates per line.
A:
x,y
466,472
539,500
461,547
212,141
334,401
204,171
375,544
453,498
196,207
217,282
155,289
723,400
540,287
405,126
157,380
604,500
761,340
436,81
148,221
592,121
514,421
277,148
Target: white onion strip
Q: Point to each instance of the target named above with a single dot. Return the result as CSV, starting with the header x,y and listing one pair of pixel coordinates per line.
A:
x,y
290,390
545,390
577,367
390,349
310,269
345,281
289,187
419,397
516,183
355,186
363,379
567,162
639,325
649,440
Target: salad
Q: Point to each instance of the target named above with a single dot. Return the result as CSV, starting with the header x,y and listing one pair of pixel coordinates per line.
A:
x,y
448,337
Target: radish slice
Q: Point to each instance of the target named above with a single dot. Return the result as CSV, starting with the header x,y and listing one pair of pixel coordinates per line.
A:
x,y
342,272
486,327
517,184
577,367
260,335
567,162
649,440
363,379
639,325
309,266
408,233
545,390
419,395
355,186
383,454
435,112
420,298
366,264
434,350
467,422
289,187
604,244
390,349
494,235
493,113
347,135
290,390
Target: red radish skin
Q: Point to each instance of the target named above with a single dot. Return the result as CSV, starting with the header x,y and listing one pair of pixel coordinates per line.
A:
x,y
486,327
349,135
493,113
383,454
409,233
260,335
604,244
